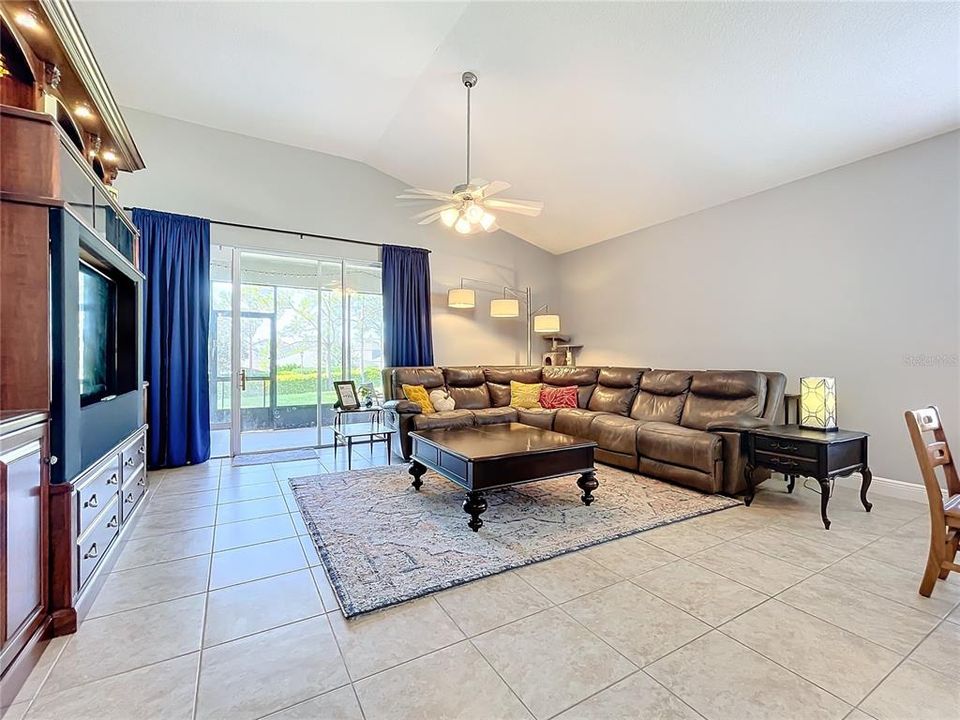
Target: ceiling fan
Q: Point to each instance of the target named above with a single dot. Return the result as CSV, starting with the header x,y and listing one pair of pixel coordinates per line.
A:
x,y
468,208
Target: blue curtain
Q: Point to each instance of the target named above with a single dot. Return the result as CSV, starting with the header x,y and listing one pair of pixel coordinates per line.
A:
x,y
407,328
175,257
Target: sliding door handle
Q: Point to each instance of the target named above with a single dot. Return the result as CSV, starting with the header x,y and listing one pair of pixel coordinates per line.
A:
x,y
242,375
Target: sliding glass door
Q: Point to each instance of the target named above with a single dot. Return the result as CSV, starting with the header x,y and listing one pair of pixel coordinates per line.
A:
x,y
290,327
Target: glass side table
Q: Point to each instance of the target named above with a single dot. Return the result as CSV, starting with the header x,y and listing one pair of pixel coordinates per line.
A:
x,y
343,417
348,434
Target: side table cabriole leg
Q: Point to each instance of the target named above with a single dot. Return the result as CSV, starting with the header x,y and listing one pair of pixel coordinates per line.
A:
x,y
748,479
824,500
588,483
864,486
416,470
791,481
474,505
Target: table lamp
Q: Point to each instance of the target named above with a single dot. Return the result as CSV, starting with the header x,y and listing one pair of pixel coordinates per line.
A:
x,y
818,403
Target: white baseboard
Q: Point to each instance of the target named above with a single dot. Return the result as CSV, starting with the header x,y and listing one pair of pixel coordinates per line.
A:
x,y
889,487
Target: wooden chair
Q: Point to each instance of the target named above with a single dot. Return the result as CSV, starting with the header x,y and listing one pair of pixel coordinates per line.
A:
x,y
944,515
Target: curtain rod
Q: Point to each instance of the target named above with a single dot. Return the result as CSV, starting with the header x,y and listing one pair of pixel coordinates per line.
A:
x,y
293,232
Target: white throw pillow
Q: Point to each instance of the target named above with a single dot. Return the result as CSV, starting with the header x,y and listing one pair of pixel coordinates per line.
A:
x,y
441,400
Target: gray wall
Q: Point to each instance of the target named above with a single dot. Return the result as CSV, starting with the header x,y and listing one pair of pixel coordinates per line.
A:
x,y
851,273
196,170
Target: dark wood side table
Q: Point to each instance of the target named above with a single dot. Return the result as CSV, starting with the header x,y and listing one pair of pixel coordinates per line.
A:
x,y
822,455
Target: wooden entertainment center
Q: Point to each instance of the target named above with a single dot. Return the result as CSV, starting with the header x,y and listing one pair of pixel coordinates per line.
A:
x,y
72,450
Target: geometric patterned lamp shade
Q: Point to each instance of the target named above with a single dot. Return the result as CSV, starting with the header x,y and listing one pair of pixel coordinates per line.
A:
x,y
818,403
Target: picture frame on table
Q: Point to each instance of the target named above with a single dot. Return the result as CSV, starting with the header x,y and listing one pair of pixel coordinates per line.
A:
x,y
347,395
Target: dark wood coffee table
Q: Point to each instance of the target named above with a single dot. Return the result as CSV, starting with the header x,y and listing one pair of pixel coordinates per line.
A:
x,y
497,456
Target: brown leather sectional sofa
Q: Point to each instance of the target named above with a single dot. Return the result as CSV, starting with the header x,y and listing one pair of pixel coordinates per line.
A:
x,y
683,426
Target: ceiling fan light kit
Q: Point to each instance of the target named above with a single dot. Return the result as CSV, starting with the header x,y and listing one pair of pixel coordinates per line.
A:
x,y
467,208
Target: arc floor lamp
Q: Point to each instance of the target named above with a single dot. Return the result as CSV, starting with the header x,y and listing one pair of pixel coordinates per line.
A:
x,y
507,305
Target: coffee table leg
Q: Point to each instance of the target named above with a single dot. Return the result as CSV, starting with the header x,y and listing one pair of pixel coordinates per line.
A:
x,y
588,483
417,470
475,506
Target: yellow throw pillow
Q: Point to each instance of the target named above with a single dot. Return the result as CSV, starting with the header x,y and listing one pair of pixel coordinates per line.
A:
x,y
418,394
525,395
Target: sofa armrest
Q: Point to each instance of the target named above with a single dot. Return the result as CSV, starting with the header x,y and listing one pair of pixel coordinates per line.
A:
x,y
737,423
402,406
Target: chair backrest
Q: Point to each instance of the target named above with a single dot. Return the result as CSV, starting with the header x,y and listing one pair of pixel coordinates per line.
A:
x,y
932,455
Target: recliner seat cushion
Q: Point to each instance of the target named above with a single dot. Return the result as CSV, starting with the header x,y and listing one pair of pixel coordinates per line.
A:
x,y
662,396
494,416
615,390
585,378
447,419
537,417
574,421
615,433
498,381
678,445
716,394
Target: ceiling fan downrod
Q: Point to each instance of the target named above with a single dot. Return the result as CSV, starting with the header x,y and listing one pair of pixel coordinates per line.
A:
x,y
469,81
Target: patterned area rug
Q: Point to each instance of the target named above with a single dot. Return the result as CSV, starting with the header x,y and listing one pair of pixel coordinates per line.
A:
x,y
382,542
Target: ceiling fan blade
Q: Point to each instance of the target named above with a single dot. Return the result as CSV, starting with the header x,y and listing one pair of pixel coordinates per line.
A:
x,y
438,209
427,198
423,191
429,219
492,188
530,208
479,182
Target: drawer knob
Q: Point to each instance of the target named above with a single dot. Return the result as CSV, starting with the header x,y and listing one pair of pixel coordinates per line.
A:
x,y
113,480
141,482
91,553
113,522
92,502
52,460
141,450
128,462
128,498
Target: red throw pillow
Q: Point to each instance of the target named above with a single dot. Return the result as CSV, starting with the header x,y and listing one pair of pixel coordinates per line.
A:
x,y
558,397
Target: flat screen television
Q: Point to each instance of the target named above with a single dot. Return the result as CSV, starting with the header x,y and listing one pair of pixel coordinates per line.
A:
x,y
98,335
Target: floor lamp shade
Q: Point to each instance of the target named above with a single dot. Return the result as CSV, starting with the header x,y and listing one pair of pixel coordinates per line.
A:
x,y
505,308
546,323
461,298
818,403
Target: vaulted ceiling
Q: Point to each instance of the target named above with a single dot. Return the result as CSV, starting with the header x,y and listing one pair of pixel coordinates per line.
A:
x,y
617,115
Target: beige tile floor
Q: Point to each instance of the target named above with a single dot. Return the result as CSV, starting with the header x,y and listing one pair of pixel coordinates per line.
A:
x,y
218,607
